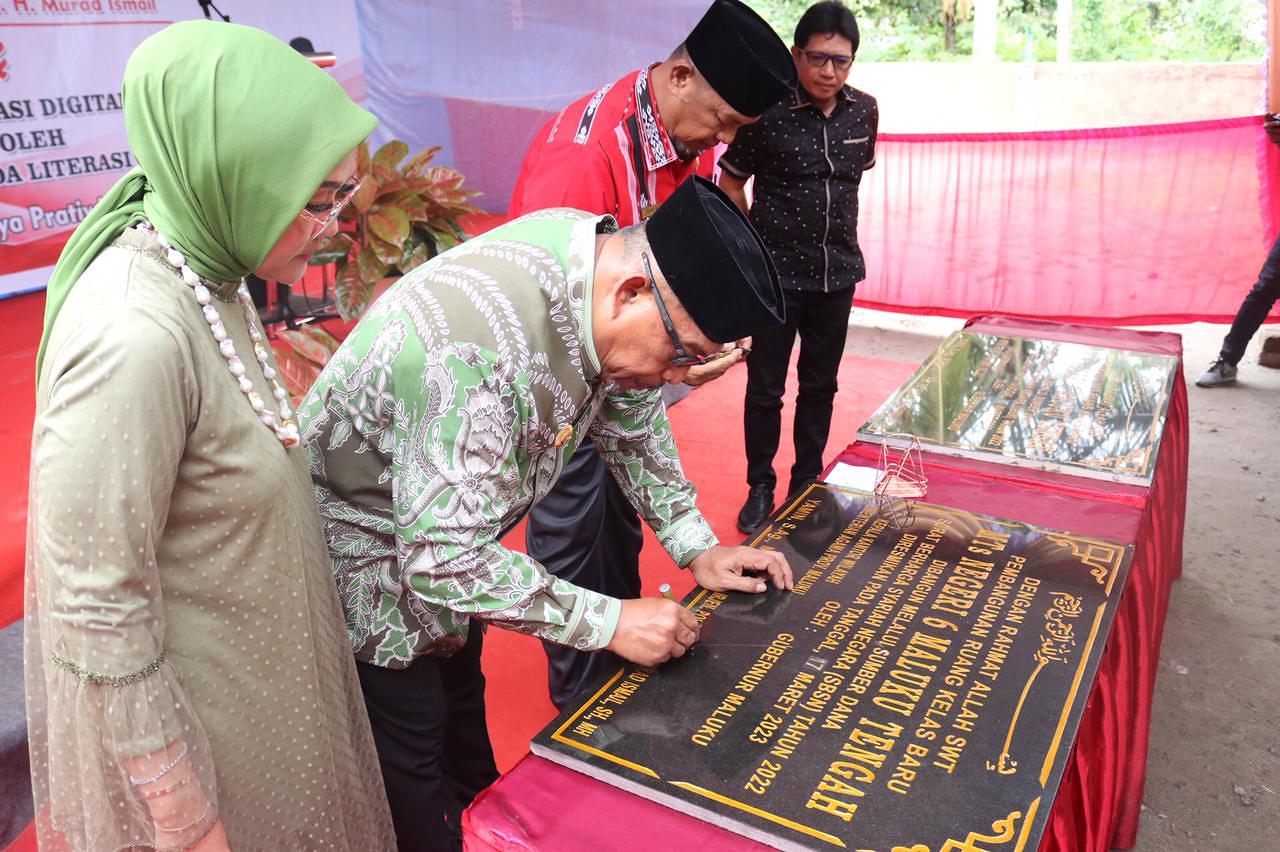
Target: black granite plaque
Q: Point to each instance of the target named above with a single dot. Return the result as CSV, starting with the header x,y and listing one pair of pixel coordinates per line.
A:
x,y
1087,410
919,690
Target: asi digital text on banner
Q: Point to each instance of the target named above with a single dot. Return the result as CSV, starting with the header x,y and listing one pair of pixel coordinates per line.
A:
x,y
62,138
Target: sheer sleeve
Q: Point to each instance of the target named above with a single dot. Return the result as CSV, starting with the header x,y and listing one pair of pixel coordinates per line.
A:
x,y
119,759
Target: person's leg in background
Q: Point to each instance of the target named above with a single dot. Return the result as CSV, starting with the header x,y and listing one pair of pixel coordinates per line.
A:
x,y
585,532
762,412
823,330
1249,318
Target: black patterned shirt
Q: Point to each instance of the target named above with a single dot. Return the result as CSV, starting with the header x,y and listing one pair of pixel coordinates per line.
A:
x,y
807,168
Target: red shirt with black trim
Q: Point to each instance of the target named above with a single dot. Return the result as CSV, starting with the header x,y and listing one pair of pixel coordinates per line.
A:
x,y
607,152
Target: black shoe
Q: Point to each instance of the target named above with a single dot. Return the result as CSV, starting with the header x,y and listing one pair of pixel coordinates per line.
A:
x,y
757,509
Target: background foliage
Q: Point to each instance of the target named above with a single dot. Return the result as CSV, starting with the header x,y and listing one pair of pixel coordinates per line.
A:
x,y
1102,30
401,216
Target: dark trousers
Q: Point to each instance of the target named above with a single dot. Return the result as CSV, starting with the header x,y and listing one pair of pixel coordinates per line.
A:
x,y
1253,311
585,532
433,743
822,322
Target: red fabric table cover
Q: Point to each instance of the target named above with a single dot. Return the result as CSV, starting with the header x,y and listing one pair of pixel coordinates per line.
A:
x,y
1099,800
539,805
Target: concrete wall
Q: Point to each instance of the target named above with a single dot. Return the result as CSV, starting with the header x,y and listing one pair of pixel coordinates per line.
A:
x,y
918,97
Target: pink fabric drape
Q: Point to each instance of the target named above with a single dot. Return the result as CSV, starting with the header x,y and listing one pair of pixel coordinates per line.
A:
x,y
1166,223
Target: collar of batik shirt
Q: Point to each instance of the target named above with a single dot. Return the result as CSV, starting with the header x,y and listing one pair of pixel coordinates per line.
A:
x,y
581,284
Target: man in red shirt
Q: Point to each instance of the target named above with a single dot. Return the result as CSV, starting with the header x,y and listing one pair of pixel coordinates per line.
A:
x,y
623,150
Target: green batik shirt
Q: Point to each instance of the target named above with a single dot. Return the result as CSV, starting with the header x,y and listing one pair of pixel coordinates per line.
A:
x,y
434,428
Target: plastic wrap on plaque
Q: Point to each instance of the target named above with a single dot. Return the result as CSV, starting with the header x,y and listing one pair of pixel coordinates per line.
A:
x,y
1086,410
919,689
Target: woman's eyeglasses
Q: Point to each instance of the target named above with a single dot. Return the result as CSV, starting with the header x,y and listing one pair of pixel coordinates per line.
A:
x,y
323,219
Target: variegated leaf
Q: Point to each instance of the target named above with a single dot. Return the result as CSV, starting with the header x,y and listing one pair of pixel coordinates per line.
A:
x,y
351,294
390,154
389,223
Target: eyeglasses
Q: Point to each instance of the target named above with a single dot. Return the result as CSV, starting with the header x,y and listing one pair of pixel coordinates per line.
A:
x,y
684,358
816,59
320,223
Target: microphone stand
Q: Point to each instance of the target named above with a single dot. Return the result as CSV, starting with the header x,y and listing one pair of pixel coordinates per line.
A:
x,y
207,5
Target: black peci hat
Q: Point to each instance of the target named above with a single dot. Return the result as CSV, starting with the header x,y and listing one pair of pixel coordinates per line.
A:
x,y
741,57
715,263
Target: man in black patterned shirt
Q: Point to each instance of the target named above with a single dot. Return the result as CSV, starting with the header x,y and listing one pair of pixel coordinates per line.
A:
x,y
807,155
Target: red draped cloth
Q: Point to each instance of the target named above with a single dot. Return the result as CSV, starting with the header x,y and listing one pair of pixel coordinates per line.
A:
x,y
539,805
1100,798
1154,224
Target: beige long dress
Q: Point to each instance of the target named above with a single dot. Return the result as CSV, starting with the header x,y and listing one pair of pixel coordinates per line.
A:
x,y
179,588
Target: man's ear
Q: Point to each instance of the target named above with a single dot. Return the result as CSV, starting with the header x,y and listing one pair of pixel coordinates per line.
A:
x,y
682,79
626,293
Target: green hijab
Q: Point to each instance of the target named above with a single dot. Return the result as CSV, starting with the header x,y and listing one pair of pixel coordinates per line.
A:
x,y
233,131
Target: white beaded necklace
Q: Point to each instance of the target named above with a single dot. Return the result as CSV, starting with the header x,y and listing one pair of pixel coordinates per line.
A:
x,y
282,424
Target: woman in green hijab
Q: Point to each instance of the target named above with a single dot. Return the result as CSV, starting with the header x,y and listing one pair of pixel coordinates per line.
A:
x,y
189,680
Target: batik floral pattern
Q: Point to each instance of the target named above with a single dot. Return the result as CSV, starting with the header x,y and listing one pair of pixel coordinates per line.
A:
x,y
434,429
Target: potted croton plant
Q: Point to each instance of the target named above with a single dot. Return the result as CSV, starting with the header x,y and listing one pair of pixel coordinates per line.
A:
x,y
399,218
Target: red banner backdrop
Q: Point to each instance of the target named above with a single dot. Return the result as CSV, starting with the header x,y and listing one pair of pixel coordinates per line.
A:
x,y
1165,223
